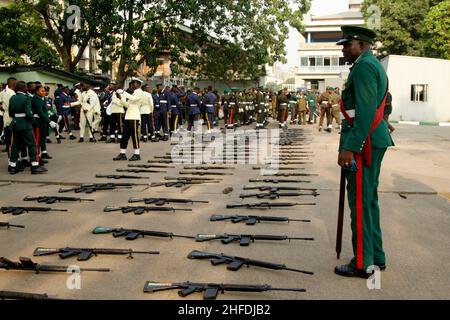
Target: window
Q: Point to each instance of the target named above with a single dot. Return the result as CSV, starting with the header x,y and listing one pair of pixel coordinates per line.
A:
x,y
304,61
326,61
335,61
341,61
419,92
312,61
319,60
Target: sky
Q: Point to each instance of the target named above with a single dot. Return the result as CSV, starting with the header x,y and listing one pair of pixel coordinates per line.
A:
x,y
318,7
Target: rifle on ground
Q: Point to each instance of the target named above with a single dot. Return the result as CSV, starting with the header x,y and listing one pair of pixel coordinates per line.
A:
x,y
210,290
169,157
280,168
90,188
267,205
252,220
191,178
159,161
87,253
12,295
141,209
117,176
181,183
148,166
140,171
133,234
278,181
163,201
276,195
284,162
15,211
206,173
235,263
245,239
277,188
54,199
340,222
26,264
8,225
206,168
292,174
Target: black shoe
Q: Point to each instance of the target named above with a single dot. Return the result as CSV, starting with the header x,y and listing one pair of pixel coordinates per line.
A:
x,y
46,156
112,140
72,137
92,140
120,157
154,139
58,141
328,130
25,163
381,266
42,162
49,141
81,140
63,138
348,270
13,170
165,138
145,140
135,157
38,170
103,138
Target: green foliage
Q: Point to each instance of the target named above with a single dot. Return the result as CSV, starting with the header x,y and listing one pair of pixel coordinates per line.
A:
x,y
403,27
437,24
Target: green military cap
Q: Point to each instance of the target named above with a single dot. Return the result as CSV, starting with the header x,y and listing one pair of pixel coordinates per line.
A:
x,y
356,32
330,88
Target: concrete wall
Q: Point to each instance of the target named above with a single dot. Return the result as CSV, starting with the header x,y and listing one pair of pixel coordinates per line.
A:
x,y
404,71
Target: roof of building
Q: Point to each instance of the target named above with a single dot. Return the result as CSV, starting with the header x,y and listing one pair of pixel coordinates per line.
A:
x,y
95,80
339,16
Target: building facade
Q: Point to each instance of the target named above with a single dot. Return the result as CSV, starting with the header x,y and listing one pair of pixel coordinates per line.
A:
x,y
321,60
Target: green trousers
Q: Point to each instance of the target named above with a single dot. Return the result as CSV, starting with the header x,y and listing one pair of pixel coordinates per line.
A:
x,y
21,139
372,252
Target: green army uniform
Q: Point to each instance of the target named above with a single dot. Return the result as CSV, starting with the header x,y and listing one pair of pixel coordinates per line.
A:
x,y
282,108
40,122
311,97
293,110
21,126
232,110
302,107
364,92
325,109
260,108
335,109
240,99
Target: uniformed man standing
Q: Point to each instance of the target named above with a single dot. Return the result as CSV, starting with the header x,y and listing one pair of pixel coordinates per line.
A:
x,y
282,107
5,96
335,108
21,126
209,101
311,97
325,108
194,104
302,107
90,105
133,102
260,106
161,117
147,122
364,138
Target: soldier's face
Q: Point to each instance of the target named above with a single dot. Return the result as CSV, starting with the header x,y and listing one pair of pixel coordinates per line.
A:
x,y
352,50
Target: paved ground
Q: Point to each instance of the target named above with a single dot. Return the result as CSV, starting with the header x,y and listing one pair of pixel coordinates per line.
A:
x,y
416,229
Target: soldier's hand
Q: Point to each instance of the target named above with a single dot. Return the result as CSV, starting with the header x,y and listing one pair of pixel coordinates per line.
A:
x,y
53,124
345,158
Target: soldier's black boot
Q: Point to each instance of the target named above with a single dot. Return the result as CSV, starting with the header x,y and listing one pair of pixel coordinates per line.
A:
x,y
37,170
91,140
81,140
135,157
46,156
25,163
42,162
348,270
120,157
48,140
103,138
72,137
13,170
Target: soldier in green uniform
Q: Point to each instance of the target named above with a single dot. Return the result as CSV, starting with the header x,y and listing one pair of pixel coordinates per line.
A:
x,y
22,131
325,108
364,139
282,107
302,108
41,121
293,107
311,97
335,108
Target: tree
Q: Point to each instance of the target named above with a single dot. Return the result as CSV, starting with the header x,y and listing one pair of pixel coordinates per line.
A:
x,y
19,39
403,30
437,24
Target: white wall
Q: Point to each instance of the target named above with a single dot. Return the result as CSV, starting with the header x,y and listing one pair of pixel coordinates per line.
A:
x,y
404,71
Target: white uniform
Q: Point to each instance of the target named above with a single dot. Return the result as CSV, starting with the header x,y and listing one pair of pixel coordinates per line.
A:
x,y
5,95
147,103
133,103
90,105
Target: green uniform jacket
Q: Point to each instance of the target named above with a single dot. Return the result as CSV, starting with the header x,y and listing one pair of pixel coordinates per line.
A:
x,y
20,103
282,102
39,108
364,91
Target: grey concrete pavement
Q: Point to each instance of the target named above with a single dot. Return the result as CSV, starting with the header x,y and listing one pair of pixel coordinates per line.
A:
x,y
416,229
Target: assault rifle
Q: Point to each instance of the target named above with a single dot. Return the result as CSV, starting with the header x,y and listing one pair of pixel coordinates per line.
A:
x,y
191,178
141,209
140,171
163,201
87,253
292,174
26,264
252,220
15,211
276,195
117,176
148,166
133,234
12,295
244,239
267,205
54,199
276,188
90,188
210,290
235,263
181,183
8,225
278,181
206,173
159,161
